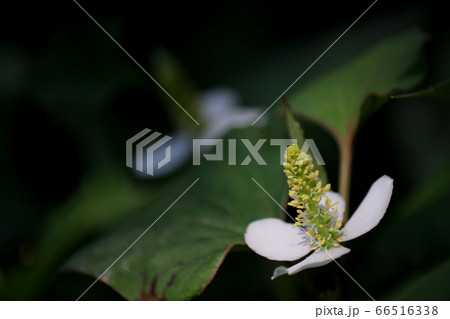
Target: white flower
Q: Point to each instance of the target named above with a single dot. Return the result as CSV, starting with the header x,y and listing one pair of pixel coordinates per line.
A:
x,y
221,110
278,240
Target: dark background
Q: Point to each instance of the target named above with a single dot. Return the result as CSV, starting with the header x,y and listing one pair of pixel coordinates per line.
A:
x,y
69,98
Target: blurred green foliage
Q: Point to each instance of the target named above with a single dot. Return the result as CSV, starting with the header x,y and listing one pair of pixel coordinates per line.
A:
x,y
441,89
70,98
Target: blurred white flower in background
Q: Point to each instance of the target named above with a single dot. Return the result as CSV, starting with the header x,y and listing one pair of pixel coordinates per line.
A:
x,y
220,112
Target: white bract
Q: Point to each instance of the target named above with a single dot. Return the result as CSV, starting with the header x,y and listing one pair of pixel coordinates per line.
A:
x,y
319,224
220,112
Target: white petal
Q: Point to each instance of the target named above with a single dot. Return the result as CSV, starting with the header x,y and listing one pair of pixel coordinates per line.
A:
x,y
317,259
221,110
277,240
371,210
335,197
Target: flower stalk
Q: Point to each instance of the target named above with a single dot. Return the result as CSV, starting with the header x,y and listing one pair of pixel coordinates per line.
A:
x,y
345,170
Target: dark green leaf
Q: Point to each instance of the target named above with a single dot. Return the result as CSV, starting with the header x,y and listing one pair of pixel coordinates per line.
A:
x,y
181,253
294,128
174,79
431,285
336,99
100,202
441,89
296,132
431,190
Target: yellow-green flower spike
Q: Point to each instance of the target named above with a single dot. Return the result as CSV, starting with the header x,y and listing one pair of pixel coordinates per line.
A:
x,y
306,191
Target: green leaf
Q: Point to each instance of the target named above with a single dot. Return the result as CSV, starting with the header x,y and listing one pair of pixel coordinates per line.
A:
x,y
441,89
175,80
101,201
181,253
296,131
426,286
294,128
429,191
336,99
